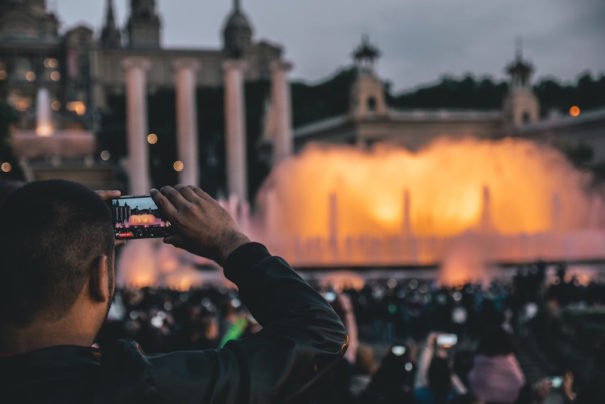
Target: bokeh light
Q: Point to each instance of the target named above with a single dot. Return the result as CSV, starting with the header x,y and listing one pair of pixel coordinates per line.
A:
x,y
105,155
178,166
152,138
574,111
6,167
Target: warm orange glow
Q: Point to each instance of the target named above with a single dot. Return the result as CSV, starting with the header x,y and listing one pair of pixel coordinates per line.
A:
x,y
78,107
50,63
445,183
55,105
178,166
44,130
30,76
152,138
6,167
139,220
55,76
574,111
141,280
22,104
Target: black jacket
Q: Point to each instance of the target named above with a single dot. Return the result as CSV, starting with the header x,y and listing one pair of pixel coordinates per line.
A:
x,y
301,338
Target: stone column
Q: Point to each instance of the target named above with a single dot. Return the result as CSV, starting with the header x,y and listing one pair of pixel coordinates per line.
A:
x,y
186,120
136,115
235,128
282,110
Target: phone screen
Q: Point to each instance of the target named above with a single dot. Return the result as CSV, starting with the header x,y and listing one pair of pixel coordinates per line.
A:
x,y
556,382
137,217
447,340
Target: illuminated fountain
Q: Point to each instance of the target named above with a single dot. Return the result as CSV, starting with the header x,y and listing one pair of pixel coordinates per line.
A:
x,y
458,205
507,201
45,141
44,125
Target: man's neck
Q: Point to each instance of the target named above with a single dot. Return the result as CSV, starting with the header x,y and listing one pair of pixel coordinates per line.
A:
x,y
41,335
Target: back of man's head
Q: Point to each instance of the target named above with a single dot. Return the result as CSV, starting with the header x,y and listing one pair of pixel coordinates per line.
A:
x,y
52,235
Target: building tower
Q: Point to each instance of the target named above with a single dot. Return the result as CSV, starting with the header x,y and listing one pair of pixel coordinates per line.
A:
x,y
237,33
521,105
143,25
110,34
367,93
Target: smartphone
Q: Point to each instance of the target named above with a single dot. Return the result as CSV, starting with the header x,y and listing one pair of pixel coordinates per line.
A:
x,y
137,217
556,382
330,296
398,350
447,340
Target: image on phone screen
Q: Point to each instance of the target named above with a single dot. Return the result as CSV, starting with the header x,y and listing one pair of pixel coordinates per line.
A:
x,y
447,340
138,217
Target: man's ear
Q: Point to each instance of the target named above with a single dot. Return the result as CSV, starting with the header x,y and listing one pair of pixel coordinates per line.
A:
x,y
99,279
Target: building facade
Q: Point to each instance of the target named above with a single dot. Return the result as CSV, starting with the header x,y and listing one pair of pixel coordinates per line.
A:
x,y
370,119
81,66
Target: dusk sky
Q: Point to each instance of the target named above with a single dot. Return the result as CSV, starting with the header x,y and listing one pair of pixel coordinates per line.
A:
x,y
420,40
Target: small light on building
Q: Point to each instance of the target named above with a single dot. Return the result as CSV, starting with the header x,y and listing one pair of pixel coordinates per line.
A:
x,y
22,104
55,76
6,167
50,63
105,155
30,76
178,166
55,105
574,111
2,74
78,107
152,138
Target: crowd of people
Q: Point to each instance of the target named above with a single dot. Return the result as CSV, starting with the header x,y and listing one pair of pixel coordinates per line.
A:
x,y
536,337
411,340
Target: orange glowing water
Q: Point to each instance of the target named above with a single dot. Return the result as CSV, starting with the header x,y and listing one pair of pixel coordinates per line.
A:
x,y
531,189
460,194
143,219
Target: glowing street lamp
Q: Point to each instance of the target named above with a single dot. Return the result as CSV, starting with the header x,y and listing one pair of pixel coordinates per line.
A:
x,y
574,111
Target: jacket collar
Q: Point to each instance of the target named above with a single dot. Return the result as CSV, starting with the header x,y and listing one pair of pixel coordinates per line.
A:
x,y
57,360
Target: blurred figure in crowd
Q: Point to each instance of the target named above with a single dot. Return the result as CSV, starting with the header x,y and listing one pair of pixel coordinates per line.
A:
x,y
496,375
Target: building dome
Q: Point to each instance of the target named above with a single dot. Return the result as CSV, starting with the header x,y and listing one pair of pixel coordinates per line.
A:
x,y
237,34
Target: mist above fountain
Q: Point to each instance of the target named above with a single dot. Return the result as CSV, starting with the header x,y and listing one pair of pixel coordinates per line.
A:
x,y
515,199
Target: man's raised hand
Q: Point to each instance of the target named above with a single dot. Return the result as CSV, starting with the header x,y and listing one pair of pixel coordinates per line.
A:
x,y
201,225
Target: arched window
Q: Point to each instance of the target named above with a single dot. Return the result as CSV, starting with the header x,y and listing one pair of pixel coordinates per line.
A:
x,y
371,104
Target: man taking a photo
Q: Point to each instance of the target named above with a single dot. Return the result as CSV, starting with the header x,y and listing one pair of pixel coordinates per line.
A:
x,y
56,286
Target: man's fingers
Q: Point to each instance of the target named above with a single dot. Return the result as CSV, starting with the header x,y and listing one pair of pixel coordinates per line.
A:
x,y
108,194
188,193
199,192
174,196
175,240
166,207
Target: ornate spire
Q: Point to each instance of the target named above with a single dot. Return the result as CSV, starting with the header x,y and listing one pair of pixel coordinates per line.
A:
x,y
110,35
519,70
365,55
237,34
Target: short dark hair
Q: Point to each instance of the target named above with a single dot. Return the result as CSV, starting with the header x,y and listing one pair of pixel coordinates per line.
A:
x,y
53,233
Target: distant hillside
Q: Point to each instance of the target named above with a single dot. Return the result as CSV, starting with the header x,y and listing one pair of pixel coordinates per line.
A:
x,y
331,97
312,102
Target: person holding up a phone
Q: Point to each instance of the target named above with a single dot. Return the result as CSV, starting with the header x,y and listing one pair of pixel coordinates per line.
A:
x,y
57,282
